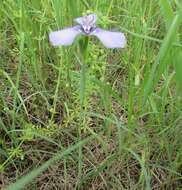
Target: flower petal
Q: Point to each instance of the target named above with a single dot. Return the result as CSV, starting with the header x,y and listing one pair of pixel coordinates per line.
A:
x,y
110,39
89,19
64,37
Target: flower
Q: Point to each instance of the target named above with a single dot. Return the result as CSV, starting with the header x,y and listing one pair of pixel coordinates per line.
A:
x,y
87,26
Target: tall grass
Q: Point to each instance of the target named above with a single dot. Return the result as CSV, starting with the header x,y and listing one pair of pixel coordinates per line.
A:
x,y
111,122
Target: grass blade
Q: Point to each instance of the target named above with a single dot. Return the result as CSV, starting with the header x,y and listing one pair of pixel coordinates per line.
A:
x,y
160,63
177,54
38,171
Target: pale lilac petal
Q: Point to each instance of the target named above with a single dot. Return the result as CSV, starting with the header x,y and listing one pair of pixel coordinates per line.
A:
x,y
83,20
79,20
110,39
64,37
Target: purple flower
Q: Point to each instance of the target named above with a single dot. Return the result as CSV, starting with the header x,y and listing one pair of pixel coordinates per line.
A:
x,y
87,26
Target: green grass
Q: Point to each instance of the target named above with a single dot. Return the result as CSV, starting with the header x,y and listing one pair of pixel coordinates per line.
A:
x,y
109,121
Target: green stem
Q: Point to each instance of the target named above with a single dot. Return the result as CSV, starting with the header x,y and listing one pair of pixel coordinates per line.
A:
x,y
56,93
83,50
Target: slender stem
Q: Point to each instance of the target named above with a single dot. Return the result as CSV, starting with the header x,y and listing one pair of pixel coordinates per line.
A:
x,y
18,76
84,53
83,49
82,87
56,92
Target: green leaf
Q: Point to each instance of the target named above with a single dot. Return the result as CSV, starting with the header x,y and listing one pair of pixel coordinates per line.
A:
x,y
176,52
160,64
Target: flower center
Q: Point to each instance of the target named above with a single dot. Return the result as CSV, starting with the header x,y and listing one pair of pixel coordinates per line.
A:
x,y
88,24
